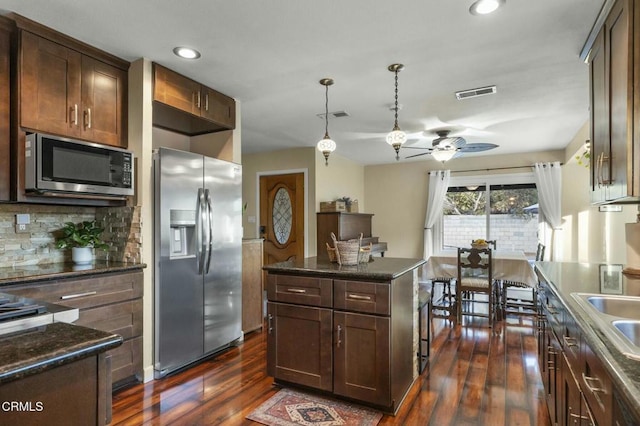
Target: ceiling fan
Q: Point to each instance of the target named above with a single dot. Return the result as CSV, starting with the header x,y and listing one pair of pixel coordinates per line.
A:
x,y
445,148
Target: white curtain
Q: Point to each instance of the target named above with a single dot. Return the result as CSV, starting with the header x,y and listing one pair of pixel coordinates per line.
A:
x,y
548,178
438,185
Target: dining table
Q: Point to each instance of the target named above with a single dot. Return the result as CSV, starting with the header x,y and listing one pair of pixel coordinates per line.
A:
x,y
507,265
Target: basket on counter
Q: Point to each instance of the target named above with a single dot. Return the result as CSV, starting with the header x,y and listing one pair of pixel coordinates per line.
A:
x,y
364,255
344,252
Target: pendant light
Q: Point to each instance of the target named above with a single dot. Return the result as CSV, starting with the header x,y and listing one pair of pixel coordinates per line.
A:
x,y
326,144
396,137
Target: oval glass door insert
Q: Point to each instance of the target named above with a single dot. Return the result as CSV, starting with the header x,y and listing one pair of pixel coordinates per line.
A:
x,y
282,216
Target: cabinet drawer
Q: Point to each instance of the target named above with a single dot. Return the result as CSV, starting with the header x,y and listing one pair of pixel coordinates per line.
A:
x,y
596,386
123,318
300,290
85,293
365,297
126,360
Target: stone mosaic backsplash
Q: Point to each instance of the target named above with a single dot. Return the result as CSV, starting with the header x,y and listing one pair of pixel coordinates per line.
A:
x,y
36,244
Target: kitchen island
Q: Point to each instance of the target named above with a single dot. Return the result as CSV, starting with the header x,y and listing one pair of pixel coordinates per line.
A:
x,y
348,331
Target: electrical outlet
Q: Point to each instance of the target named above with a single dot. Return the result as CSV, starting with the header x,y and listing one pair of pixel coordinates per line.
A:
x,y
21,229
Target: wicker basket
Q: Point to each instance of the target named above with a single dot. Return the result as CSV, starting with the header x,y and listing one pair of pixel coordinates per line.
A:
x,y
364,255
333,254
347,251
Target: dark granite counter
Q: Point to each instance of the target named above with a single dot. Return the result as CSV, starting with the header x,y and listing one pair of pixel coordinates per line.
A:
x,y
56,271
42,348
379,269
567,278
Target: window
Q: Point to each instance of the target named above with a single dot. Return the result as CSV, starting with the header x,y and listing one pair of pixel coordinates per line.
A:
x,y
499,207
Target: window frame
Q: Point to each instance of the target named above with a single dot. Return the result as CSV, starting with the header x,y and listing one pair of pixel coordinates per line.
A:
x,y
487,181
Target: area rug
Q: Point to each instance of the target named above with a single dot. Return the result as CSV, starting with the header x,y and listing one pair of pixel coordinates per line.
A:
x,y
290,407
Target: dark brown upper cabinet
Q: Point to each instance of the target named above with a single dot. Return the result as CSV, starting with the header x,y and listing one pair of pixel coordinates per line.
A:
x,y
614,69
5,109
69,89
188,107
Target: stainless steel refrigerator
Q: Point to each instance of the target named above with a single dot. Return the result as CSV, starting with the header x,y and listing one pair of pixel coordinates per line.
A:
x,y
198,257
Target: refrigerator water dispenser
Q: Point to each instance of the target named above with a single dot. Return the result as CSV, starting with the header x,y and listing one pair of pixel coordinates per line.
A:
x,y
183,227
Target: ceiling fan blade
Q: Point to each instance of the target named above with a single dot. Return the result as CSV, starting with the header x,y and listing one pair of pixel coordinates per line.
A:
x,y
418,155
477,147
417,147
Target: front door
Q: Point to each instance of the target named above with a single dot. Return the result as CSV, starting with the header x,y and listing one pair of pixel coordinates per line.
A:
x,y
282,216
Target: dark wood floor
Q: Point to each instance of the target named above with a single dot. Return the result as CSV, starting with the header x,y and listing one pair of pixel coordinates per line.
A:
x,y
475,376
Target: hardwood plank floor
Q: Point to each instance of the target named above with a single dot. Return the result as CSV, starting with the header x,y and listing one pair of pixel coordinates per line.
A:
x,y
475,376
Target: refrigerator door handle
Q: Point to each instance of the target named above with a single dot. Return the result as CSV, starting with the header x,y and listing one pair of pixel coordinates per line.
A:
x,y
208,230
200,220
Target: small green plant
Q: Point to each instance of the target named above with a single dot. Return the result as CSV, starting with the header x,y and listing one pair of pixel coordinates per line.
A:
x,y
84,234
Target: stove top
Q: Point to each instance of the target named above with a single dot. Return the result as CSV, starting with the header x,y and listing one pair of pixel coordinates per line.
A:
x,y
10,309
21,313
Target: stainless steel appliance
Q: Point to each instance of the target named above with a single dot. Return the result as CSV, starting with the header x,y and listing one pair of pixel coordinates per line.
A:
x,y
21,313
56,165
198,257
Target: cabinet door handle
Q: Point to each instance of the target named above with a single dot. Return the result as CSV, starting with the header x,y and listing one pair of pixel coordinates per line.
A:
x,y
570,341
87,118
595,390
198,99
269,323
74,114
75,296
296,290
206,101
339,335
358,297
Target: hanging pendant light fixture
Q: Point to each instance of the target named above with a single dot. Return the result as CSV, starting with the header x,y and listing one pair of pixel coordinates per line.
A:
x,y
396,137
326,145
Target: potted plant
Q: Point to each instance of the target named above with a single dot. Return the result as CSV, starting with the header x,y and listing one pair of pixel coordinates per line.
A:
x,y
81,238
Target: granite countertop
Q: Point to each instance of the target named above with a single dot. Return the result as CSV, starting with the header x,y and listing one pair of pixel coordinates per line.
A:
x,y
42,348
379,269
55,271
566,278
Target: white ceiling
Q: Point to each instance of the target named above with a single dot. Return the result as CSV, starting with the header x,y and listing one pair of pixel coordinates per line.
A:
x,y
270,55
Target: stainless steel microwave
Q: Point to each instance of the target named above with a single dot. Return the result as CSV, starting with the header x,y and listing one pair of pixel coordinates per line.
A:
x,y
59,165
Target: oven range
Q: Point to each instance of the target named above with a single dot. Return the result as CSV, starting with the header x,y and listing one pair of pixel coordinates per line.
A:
x,y
21,313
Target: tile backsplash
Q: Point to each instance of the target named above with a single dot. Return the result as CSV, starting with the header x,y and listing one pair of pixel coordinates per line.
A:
x,y
36,244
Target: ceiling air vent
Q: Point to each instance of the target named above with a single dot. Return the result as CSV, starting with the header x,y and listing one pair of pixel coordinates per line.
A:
x,y
335,114
474,93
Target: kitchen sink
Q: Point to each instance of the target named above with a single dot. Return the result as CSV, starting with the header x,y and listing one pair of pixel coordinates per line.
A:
x,y
631,330
618,317
619,306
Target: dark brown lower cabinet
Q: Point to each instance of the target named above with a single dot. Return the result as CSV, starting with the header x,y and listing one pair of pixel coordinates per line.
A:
x,y
575,410
352,338
109,302
299,345
72,394
361,349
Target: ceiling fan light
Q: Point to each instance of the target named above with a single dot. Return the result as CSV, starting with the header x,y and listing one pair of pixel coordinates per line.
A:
x,y
484,7
443,155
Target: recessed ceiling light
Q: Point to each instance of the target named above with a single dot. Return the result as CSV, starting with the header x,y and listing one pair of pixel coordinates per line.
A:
x,y
483,7
186,52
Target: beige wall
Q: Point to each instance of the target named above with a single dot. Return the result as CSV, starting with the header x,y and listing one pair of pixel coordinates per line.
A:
x,y
341,178
588,234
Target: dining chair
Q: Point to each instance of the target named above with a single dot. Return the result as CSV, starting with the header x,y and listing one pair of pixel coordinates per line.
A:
x,y
516,303
475,276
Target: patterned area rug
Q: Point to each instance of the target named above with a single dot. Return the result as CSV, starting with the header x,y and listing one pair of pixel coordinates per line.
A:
x,y
290,407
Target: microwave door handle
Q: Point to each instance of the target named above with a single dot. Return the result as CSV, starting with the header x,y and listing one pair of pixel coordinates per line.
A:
x,y
210,229
199,230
